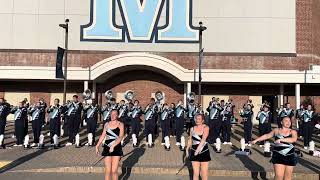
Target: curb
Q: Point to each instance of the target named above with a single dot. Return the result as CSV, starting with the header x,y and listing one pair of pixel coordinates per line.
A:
x,y
168,171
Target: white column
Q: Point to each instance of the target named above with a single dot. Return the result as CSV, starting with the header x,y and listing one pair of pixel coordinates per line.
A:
x,y
298,96
297,100
281,95
187,90
94,89
85,85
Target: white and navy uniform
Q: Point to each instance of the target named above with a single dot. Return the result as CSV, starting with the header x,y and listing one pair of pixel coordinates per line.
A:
x,y
36,113
55,121
226,115
4,111
150,121
179,115
134,114
285,112
123,116
172,121
20,115
74,119
308,126
264,119
299,118
214,122
247,123
165,122
43,106
106,113
190,112
91,118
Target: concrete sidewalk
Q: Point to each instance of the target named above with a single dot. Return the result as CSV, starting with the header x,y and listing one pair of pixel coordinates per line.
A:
x,y
156,160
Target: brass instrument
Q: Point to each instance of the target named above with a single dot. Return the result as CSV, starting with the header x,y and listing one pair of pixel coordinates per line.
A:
x,y
108,95
191,97
129,95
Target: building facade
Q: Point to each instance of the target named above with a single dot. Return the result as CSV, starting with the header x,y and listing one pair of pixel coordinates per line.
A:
x,y
262,50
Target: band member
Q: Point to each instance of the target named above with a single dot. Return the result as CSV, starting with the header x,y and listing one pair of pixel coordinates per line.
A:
x,y
26,121
165,126
55,112
283,156
65,130
111,137
226,115
43,105
172,119
91,112
74,118
191,112
20,115
232,106
123,116
149,114
264,117
285,112
113,104
4,111
246,115
36,112
299,118
134,114
214,121
179,115
199,150
106,112
308,117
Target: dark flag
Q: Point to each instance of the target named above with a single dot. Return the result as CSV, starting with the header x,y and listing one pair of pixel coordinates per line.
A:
x,y
59,72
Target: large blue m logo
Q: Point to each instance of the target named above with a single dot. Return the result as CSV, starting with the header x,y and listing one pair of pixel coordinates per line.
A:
x,y
140,21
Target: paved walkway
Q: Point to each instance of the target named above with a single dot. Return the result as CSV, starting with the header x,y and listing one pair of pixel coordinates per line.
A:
x,y
156,160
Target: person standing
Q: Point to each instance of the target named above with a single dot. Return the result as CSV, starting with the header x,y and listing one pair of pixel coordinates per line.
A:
x,y
111,137
308,125
199,150
20,115
74,118
4,112
283,157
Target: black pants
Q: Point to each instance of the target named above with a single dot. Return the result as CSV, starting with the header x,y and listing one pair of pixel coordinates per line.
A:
x,y
127,124
214,130
3,123
247,127
307,132
19,130
172,127
92,127
179,128
73,126
149,128
226,131
264,128
55,125
135,126
301,126
36,129
165,128
26,125
189,124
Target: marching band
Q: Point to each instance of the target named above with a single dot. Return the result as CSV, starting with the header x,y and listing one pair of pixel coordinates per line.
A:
x,y
173,119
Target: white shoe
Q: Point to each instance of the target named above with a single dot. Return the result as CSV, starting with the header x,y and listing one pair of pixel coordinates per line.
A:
x,y
163,144
249,145
33,145
15,145
87,144
305,147
68,144
178,144
48,134
20,145
260,145
224,143
13,136
229,143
